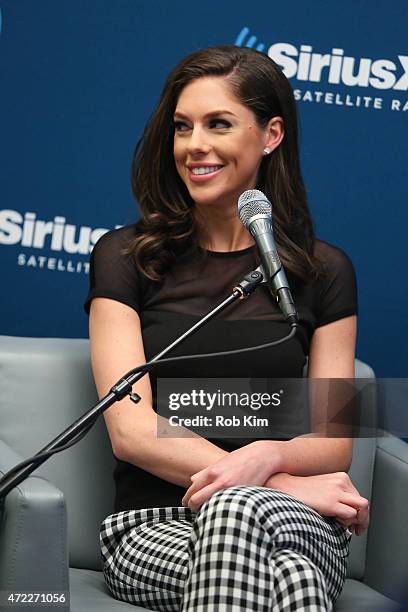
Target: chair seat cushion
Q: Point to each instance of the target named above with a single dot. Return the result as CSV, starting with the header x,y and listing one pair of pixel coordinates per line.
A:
x,y
356,597
89,594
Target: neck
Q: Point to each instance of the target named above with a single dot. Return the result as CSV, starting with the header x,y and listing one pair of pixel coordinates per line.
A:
x,y
221,230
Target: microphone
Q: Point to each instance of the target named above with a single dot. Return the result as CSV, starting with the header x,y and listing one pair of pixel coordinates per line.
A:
x,y
255,212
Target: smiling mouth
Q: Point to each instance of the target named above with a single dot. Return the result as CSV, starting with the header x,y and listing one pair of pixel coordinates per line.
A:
x,y
200,170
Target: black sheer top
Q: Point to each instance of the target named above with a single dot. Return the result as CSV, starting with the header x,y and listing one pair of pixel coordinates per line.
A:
x,y
194,285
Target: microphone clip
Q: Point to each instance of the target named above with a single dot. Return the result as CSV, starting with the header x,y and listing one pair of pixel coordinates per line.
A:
x,y
249,283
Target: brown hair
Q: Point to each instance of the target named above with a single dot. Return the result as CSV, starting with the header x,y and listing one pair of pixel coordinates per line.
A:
x,y
167,226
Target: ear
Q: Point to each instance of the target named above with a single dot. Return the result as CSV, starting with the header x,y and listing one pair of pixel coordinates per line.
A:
x,y
274,133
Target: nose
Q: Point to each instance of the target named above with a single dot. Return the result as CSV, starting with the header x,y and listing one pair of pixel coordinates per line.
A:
x,y
198,141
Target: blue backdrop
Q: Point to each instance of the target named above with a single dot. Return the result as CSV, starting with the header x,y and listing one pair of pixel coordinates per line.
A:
x,y
78,81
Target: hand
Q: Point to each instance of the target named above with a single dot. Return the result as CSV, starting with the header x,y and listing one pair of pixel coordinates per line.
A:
x,y
250,465
329,494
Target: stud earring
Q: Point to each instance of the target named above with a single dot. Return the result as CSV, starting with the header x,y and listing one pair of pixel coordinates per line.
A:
x,y
266,151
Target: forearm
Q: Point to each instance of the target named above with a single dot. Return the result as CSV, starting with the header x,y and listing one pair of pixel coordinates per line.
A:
x,y
309,455
329,494
280,482
172,459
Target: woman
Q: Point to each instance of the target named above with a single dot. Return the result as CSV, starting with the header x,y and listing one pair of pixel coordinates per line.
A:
x,y
222,524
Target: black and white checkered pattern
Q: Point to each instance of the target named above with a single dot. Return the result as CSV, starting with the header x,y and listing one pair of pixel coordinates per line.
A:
x,y
247,549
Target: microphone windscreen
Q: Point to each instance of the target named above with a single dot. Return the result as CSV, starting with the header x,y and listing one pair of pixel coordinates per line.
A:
x,y
253,202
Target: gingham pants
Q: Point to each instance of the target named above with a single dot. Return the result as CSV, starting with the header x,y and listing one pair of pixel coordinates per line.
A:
x,y
248,549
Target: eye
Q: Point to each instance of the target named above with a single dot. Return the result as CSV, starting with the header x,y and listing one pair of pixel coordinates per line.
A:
x,y
181,126
218,123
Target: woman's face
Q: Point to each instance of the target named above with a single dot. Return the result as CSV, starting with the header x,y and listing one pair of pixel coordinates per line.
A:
x,y
218,145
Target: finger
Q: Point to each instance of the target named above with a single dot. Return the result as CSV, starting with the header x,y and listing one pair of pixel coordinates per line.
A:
x,y
199,479
362,501
351,499
197,474
202,477
186,497
360,530
361,522
190,491
198,499
345,513
363,512
361,505
363,519
346,524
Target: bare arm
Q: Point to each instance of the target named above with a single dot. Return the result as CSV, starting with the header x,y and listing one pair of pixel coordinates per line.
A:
x,y
313,469
117,347
309,468
331,355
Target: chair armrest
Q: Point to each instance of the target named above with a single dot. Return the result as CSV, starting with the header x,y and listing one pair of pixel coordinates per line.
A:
x,y
33,542
387,547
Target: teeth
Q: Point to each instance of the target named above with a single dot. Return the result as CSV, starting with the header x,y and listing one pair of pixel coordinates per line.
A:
x,y
205,169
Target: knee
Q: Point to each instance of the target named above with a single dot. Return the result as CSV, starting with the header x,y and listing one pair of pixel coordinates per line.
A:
x,y
275,513
230,500
251,496
254,503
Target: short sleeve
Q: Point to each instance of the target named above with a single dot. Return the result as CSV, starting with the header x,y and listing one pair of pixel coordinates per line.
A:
x,y
337,295
112,273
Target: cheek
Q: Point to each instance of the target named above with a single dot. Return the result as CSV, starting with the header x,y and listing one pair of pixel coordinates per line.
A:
x,y
178,154
178,161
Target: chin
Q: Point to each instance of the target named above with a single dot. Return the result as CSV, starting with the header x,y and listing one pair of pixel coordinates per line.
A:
x,y
220,198
211,201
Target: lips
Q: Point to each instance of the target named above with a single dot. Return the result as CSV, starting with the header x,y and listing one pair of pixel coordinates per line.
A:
x,y
199,173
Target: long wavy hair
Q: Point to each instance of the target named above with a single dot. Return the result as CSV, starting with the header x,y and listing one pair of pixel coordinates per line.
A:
x,y
167,227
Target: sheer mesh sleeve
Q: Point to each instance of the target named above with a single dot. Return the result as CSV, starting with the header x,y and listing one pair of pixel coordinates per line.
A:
x,y
112,274
337,297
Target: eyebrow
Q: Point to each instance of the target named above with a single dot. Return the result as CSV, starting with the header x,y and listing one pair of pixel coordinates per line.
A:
x,y
210,114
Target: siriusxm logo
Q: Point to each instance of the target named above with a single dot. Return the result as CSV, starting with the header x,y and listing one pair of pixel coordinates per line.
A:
x,y
57,235
251,42
335,67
